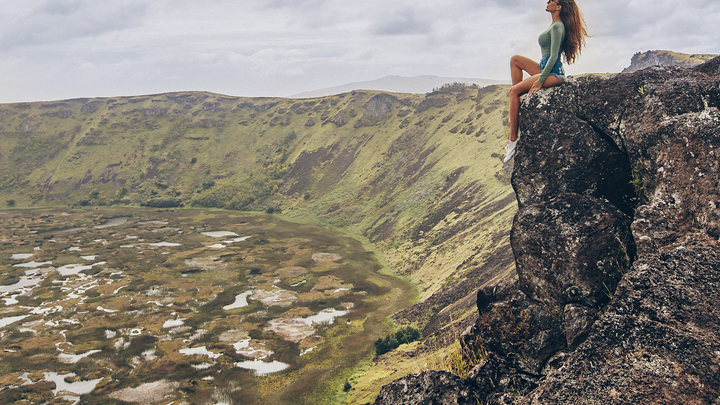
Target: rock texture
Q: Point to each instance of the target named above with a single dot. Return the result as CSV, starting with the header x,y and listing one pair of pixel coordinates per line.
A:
x,y
377,109
616,243
447,388
571,249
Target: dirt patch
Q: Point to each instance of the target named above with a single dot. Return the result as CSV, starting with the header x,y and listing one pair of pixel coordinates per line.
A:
x,y
327,282
206,263
274,297
233,335
306,163
297,312
311,341
332,286
289,329
146,393
293,271
326,257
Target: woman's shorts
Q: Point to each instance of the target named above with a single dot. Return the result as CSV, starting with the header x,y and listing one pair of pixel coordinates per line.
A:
x,y
557,70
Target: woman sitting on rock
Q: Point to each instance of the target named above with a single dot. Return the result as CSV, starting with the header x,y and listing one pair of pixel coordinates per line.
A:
x,y
566,35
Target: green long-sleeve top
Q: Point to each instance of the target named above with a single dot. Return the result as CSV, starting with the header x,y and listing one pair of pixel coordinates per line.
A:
x,y
550,42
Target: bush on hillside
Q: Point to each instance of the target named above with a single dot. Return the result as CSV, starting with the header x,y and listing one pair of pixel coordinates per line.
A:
x,y
392,341
238,194
451,88
221,194
162,203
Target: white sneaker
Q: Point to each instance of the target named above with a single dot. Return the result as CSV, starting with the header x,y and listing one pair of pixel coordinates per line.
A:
x,y
509,151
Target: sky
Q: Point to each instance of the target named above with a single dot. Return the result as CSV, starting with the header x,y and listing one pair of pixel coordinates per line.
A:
x,y
61,49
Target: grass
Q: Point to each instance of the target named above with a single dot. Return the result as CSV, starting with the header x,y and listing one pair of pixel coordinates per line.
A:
x,y
439,352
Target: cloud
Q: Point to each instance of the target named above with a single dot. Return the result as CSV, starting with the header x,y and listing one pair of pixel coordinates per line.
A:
x,y
516,5
402,22
57,21
81,48
622,28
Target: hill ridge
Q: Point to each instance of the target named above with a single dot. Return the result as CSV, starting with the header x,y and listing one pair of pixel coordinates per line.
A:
x,y
397,84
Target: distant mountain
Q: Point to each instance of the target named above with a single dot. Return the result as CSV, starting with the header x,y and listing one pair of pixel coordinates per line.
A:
x,y
643,60
397,84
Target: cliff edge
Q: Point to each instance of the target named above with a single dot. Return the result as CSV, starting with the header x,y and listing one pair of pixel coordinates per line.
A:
x,y
616,243
644,60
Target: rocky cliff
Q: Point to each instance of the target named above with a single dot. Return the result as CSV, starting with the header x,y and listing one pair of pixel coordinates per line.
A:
x,y
644,60
616,246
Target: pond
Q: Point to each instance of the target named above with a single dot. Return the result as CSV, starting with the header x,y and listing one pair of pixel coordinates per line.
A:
x,y
107,224
262,368
264,312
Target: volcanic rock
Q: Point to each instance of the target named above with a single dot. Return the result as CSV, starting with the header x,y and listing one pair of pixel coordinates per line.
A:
x,y
616,243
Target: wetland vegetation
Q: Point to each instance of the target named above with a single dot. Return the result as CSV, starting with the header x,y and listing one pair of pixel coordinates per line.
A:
x,y
193,305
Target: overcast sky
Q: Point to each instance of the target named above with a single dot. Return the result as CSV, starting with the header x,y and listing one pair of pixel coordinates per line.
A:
x,y
58,49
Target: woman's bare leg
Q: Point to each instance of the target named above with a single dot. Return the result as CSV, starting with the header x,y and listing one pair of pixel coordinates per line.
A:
x,y
518,64
518,90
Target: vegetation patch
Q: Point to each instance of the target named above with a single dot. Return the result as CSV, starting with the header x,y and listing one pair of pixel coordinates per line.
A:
x,y
405,335
119,298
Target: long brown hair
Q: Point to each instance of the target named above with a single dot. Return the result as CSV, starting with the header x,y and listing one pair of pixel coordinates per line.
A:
x,y
575,29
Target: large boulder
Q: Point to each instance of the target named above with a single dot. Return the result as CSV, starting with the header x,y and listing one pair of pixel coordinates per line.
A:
x,y
657,343
571,250
560,153
616,242
662,126
430,387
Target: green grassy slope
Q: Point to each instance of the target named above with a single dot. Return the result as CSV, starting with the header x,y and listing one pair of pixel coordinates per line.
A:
x,y
418,176
682,59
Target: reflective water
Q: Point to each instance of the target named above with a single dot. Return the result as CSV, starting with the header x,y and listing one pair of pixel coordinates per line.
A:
x,y
202,351
164,244
110,222
219,234
240,301
74,358
172,323
79,387
25,281
262,368
7,321
326,316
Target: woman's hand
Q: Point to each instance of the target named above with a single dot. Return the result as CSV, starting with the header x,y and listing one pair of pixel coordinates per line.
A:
x,y
535,87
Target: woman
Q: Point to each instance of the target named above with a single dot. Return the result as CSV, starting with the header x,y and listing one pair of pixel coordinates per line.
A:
x,y
566,35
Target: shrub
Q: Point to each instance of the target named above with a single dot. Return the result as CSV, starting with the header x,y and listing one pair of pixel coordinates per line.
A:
x,y
451,88
392,341
162,203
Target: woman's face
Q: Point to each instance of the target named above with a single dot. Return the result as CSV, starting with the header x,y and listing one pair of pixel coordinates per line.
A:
x,y
552,6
